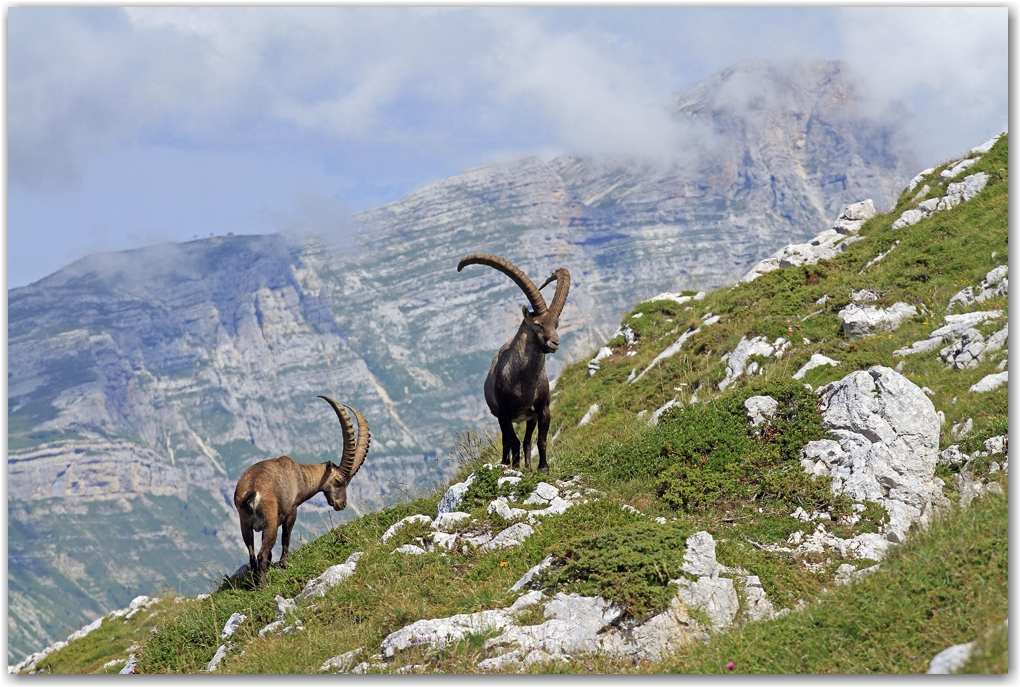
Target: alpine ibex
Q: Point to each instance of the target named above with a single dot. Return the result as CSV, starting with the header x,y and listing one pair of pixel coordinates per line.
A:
x,y
517,389
269,492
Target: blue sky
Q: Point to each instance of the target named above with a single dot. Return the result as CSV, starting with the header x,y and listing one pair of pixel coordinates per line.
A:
x,y
132,127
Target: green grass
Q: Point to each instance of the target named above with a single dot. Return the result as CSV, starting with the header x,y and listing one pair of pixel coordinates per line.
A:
x,y
930,593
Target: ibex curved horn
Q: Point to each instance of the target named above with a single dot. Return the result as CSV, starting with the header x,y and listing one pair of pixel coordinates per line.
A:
x,y
354,452
509,269
562,278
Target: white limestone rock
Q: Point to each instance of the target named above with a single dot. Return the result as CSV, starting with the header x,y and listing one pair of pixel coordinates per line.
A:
x,y
530,575
760,408
956,193
233,622
990,382
864,296
85,631
440,632
952,456
131,667
950,660
668,296
593,364
847,573
964,352
984,147
544,493
658,637
952,170
331,577
817,360
824,246
410,550
501,507
510,537
919,178
673,348
757,605
573,625
860,322
589,415
672,403
997,444
343,662
954,326
885,446
395,527
699,558
909,218
993,285
737,359
716,596
220,654
447,522
454,495
445,540
557,506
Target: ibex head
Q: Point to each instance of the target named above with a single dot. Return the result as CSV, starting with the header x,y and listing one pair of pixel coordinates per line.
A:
x,y
337,477
542,320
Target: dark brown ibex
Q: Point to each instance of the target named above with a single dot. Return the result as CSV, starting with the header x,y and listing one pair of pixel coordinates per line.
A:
x,y
269,492
517,389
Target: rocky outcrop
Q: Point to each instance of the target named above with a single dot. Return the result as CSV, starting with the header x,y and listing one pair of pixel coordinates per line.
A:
x,y
884,447
993,285
859,322
955,326
824,246
576,624
990,382
816,360
738,360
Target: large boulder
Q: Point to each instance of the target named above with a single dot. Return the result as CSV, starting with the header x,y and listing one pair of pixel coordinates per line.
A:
x,y
884,446
859,322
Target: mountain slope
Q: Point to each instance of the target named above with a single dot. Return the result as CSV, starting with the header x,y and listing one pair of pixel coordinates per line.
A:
x,y
163,372
648,492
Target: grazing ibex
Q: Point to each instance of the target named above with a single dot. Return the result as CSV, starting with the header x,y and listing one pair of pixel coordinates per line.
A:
x,y
269,492
517,389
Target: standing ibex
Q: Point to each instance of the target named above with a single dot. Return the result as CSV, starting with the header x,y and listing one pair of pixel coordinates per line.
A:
x,y
269,492
517,388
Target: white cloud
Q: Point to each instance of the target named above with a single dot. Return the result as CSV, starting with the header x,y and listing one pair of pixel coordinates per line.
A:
x,y
594,81
949,64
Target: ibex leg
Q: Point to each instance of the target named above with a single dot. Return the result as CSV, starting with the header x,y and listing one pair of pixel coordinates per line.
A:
x,y
248,535
544,417
288,525
528,431
511,444
266,551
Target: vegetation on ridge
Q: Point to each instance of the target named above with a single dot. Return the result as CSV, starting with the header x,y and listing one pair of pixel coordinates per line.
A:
x,y
702,467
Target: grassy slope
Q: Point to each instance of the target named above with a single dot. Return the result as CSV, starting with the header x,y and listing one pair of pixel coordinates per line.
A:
x,y
700,468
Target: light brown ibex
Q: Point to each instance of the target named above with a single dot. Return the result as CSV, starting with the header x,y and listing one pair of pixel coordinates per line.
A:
x,y
517,388
269,492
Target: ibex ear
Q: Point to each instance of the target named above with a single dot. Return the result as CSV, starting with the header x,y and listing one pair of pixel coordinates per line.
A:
x,y
525,311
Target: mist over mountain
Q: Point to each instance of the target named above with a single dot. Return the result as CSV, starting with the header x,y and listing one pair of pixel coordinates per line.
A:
x,y
142,383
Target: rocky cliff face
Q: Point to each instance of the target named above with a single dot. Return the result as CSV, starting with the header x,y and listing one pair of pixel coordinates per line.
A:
x,y
141,384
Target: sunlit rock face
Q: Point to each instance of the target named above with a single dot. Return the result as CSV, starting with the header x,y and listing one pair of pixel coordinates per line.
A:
x,y
142,383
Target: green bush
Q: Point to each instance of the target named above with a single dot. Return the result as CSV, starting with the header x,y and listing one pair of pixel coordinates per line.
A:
x,y
714,453
628,564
